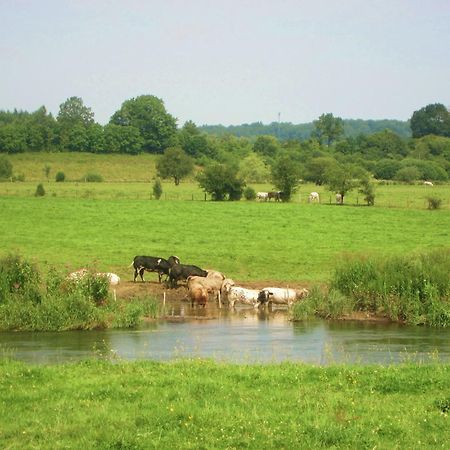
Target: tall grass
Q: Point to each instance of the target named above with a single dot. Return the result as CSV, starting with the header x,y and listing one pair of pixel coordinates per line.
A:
x,y
29,301
413,288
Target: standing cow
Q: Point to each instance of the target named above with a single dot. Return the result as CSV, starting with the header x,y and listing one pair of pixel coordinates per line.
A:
x,y
183,271
153,264
314,197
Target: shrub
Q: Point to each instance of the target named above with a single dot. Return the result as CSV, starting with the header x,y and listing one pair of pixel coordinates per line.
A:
x,y
40,191
93,178
434,202
60,177
18,177
249,193
408,174
6,168
157,189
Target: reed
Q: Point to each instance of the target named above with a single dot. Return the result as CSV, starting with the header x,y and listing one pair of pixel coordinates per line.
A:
x,y
413,288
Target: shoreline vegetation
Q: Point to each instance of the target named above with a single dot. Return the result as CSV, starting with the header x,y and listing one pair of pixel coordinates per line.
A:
x,y
200,404
413,289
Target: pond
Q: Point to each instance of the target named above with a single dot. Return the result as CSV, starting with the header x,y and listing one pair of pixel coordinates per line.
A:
x,y
243,336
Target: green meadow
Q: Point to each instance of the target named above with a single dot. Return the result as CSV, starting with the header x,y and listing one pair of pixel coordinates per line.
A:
x,y
245,240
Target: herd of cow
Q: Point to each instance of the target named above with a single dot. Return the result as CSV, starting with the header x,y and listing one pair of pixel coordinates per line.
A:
x,y
203,284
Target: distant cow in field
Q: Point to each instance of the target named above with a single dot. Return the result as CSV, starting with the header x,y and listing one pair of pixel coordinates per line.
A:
x,y
262,195
153,264
314,197
428,183
78,275
276,195
339,199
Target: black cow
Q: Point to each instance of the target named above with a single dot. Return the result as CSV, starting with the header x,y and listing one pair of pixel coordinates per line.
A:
x,y
153,264
276,195
183,271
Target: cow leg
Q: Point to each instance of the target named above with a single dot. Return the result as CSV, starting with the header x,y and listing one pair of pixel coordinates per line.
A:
x,y
135,274
141,273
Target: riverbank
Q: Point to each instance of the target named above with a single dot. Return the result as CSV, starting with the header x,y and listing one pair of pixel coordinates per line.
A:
x,y
203,404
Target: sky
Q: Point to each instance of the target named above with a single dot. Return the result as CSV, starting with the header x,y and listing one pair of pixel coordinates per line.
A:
x,y
228,62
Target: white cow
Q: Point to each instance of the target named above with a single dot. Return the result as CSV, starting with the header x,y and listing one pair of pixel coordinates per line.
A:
x,y
281,296
428,183
262,195
236,294
339,199
314,197
79,274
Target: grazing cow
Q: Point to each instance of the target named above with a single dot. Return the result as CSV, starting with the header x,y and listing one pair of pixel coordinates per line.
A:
x,y
113,279
314,197
339,199
276,195
153,264
183,271
236,294
262,195
78,274
428,183
281,296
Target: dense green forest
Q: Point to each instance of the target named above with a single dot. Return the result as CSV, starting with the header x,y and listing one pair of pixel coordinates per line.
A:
x,y
343,154
303,131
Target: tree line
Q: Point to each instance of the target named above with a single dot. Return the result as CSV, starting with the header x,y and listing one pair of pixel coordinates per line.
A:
x,y
228,163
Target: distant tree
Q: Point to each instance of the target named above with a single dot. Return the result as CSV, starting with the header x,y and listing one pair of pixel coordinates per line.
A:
x,y
431,119
367,188
157,189
408,174
328,128
385,169
174,164
73,112
343,178
286,175
221,181
6,168
382,144
193,141
148,114
95,138
253,169
13,138
267,146
122,139
315,169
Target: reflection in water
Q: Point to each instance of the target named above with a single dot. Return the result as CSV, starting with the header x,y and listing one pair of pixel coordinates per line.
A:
x,y
243,335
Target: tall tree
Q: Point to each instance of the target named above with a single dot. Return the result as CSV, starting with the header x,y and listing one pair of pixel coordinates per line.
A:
x,y
174,164
431,119
342,178
286,175
192,141
73,112
148,114
328,128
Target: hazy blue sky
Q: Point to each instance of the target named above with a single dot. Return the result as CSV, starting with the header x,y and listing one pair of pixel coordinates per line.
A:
x,y
231,61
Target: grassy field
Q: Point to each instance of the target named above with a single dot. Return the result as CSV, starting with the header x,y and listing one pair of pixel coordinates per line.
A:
x,y
200,404
245,240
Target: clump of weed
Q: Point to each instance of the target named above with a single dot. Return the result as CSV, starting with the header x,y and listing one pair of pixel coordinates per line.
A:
x,y
434,203
412,288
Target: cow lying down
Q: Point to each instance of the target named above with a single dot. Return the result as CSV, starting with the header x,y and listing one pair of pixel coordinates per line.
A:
x,y
78,275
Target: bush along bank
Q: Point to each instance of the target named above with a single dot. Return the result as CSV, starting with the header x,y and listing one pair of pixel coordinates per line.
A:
x,y
414,289
33,302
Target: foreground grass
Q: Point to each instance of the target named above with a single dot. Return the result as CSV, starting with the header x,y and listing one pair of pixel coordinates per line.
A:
x,y
202,404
